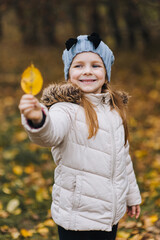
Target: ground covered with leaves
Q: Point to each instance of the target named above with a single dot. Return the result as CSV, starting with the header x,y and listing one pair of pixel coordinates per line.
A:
x,y
27,170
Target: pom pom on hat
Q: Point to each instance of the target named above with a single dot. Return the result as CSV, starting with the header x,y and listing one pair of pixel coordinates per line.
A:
x,y
84,43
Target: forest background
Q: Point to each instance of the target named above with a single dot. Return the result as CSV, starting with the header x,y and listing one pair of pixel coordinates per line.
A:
x,y
35,32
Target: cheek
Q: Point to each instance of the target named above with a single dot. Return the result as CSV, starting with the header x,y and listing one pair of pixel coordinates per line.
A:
x,y
102,75
74,74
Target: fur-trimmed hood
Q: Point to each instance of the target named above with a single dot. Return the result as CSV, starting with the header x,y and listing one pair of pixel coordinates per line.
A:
x,y
67,92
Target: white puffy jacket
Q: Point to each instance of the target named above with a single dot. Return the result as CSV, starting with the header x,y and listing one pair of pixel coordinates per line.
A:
x,y
94,178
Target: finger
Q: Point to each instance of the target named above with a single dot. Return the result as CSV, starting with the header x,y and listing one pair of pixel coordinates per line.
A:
x,y
33,102
26,100
27,111
138,210
27,96
24,107
133,212
37,104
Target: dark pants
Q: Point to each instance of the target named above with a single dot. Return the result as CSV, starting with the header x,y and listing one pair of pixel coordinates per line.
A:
x,y
87,235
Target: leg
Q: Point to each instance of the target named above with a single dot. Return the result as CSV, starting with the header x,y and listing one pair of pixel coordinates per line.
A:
x,y
102,235
112,235
72,235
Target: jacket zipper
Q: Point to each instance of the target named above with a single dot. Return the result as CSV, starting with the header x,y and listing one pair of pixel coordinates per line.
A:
x,y
113,167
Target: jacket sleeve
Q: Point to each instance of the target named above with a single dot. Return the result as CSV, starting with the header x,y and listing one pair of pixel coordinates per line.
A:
x,y
133,196
55,128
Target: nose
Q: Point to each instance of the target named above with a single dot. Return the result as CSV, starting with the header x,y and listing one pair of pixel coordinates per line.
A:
x,y
87,70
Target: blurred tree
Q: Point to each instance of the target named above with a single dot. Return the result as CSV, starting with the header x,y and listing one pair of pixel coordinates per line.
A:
x,y
48,18
72,11
94,16
0,25
113,15
134,22
37,20
124,21
28,13
3,7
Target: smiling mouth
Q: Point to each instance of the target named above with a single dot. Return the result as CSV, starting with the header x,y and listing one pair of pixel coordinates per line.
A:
x,y
87,80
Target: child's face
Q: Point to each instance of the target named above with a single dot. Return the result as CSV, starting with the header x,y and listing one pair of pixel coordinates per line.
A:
x,y
87,71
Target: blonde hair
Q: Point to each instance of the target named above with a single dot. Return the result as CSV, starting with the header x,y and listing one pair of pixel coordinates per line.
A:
x,y
116,102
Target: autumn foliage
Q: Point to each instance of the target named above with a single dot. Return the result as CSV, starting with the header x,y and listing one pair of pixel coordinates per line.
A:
x,y
27,170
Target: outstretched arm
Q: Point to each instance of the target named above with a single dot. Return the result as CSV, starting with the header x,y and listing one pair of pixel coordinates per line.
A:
x,y
55,127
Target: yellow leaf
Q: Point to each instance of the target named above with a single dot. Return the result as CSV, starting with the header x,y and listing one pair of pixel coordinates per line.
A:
x,y
31,81
154,218
15,234
140,153
3,214
18,170
2,172
139,224
122,234
49,223
1,205
17,211
29,169
10,154
40,225
12,205
4,228
130,224
21,136
45,156
157,202
5,188
43,231
150,220
136,237
42,194
26,233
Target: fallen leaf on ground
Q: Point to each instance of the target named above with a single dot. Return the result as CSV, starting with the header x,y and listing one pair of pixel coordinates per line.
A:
x,y
12,205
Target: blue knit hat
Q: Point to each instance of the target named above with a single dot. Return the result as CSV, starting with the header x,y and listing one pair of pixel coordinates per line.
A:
x,y
85,43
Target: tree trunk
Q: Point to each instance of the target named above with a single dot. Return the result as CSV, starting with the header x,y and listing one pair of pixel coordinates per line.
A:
x,y
113,17
134,23
0,25
27,13
73,13
48,20
94,17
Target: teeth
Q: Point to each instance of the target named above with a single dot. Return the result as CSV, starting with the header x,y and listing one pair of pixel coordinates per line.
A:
x,y
90,80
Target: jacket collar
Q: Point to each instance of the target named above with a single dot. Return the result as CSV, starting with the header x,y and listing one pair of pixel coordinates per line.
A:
x,y
99,98
67,92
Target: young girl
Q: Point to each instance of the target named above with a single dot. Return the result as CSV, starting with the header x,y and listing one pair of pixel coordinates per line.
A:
x,y
87,130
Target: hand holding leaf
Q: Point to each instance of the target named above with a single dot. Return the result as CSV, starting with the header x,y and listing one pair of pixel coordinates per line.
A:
x,y
31,83
30,107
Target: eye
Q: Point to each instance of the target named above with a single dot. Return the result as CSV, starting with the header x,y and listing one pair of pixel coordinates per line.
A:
x,y
95,65
78,66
